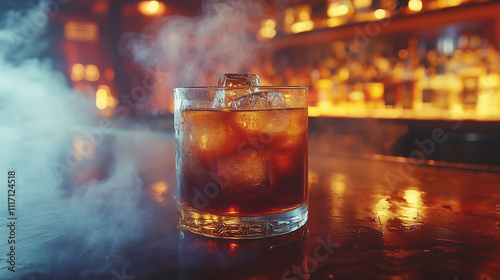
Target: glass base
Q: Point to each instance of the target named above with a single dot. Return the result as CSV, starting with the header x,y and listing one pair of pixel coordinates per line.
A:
x,y
242,227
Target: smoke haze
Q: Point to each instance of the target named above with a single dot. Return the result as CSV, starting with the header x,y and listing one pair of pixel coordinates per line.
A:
x,y
38,120
189,51
63,225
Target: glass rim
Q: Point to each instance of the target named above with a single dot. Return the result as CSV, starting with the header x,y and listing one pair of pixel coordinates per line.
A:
x,y
239,87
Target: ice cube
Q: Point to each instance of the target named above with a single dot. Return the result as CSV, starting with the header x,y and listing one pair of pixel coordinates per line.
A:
x,y
219,99
245,177
266,121
262,100
238,80
223,98
249,102
275,100
233,87
259,112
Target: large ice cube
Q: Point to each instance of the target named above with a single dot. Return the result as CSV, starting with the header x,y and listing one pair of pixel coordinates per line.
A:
x,y
245,176
238,80
232,87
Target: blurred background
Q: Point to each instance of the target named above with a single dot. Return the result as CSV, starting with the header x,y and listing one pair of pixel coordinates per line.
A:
x,y
86,119
382,75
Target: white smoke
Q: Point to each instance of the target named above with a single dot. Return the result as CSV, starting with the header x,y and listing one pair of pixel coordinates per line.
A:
x,y
60,224
55,228
191,51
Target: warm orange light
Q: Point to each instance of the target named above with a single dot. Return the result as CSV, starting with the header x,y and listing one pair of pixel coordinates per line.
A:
x,y
77,72
83,147
233,246
109,74
151,8
271,23
344,74
91,73
410,213
362,4
81,31
313,111
336,10
158,189
380,13
454,2
289,18
338,183
376,90
233,210
304,15
382,210
101,97
413,196
302,26
324,84
305,23
356,96
403,54
100,8
448,3
267,33
415,5
333,22
267,30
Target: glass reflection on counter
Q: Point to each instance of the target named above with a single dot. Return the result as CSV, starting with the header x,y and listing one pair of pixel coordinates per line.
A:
x,y
382,212
338,183
411,212
283,257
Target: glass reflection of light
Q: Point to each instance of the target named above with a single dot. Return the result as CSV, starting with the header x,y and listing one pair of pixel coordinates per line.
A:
x,y
338,183
410,212
233,246
158,189
381,210
233,210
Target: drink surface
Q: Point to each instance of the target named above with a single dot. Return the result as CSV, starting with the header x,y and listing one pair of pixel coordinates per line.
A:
x,y
242,163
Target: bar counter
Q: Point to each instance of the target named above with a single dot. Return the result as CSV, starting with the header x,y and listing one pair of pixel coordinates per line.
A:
x,y
114,217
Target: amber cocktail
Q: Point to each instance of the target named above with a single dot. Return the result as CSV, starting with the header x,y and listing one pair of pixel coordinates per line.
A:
x,y
241,158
